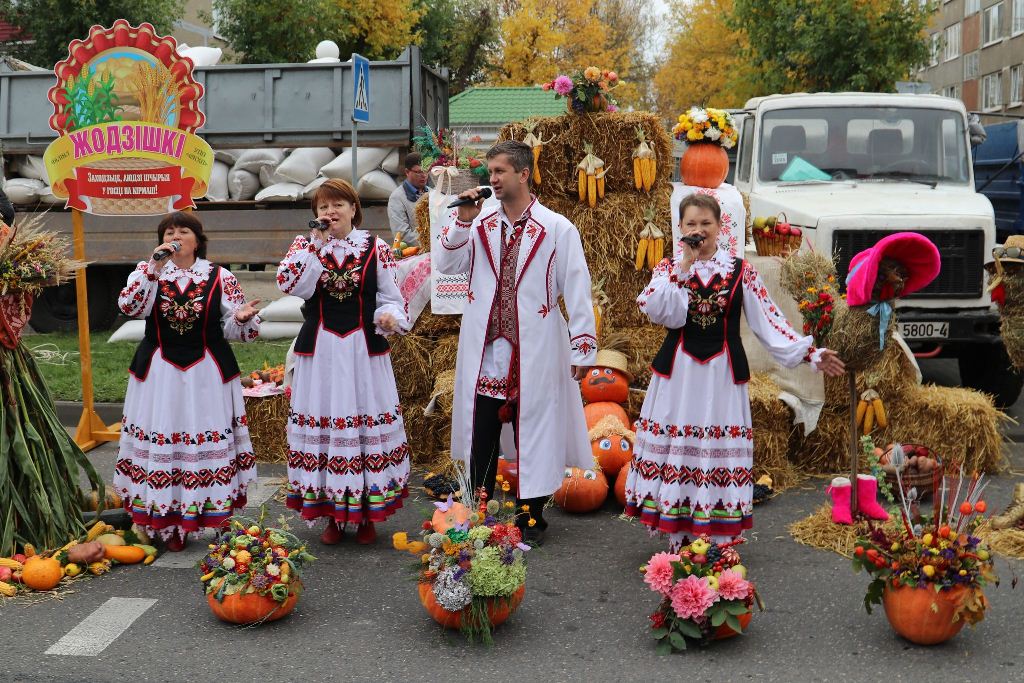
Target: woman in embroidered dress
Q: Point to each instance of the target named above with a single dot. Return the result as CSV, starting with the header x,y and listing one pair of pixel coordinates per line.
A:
x,y
348,458
185,460
693,457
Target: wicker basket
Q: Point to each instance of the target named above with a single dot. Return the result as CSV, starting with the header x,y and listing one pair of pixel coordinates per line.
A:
x,y
922,481
774,244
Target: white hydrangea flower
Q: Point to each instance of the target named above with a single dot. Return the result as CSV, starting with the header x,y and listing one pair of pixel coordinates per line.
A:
x,y
273,570
698,115
228,563
712,134
451,594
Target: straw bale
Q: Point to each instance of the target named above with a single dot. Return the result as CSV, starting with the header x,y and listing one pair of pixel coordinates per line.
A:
x,y
641,345
435,326
773,431
613,137
1007,542
267,417
411,360
423,221
819,531
854,336
445,351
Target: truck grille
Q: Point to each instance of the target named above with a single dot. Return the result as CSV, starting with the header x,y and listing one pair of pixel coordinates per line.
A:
x,y
961,251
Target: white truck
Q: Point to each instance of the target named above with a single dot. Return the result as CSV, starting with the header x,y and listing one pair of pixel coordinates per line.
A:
x,y
850,168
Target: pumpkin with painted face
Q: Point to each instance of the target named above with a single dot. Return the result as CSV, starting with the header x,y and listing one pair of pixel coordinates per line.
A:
x,y
582,490
612,444
608,380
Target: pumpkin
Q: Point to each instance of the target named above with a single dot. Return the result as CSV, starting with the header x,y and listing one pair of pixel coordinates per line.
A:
x,y
510,472
620,485
921,615
595,412
605,384
41,573
443,520
498,609
704,165
111,501
251,608
582,490
611,444
725,631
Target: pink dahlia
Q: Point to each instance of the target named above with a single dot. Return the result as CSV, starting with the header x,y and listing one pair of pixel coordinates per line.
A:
x,y
732,586
659,572
691,597
563,85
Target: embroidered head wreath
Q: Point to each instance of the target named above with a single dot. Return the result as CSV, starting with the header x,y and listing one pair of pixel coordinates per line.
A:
x,y
898,265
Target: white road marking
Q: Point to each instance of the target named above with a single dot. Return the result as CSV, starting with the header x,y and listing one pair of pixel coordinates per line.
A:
x,y
264,490
97,631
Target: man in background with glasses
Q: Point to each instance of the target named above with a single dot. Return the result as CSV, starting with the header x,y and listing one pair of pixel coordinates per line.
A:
x,y
402,202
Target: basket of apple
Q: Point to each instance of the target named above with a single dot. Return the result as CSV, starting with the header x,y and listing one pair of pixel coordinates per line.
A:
x,y
918,467
775,236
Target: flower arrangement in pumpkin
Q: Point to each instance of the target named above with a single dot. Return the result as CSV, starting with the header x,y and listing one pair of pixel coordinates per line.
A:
x,y
588,90
705,594
472,571
444,148
706,125
938,552
251,558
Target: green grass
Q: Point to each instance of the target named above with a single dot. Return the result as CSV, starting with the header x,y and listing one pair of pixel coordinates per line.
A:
x,y
57,357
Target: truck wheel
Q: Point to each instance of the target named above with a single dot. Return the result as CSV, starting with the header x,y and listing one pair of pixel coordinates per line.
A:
x,y
56,308
988,369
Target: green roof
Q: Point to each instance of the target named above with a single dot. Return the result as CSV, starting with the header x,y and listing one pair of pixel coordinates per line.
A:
x,y
502,105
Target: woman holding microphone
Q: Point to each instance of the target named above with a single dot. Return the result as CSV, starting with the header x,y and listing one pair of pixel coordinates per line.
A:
x,y
185,460
348,458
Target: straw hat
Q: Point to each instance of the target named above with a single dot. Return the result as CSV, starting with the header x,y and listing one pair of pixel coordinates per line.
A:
x,y
616,360
1014,245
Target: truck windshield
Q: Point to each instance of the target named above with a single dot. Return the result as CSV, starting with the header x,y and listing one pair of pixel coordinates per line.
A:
x,y
886,143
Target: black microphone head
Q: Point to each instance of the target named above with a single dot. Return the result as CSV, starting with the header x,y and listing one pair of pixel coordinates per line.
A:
x,y
317,224
485,192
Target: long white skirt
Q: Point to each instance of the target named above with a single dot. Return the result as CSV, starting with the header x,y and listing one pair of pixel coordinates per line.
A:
x,y
348,456
692,462
185,459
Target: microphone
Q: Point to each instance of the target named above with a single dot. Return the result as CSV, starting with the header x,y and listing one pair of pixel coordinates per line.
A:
x,y
319,224
692,240
483,193
163,252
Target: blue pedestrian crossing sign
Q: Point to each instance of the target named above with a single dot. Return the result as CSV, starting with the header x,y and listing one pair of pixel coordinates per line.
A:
x,y
360,89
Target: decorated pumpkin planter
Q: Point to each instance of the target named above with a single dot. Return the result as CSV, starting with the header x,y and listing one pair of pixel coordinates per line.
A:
x,y
708,133
922,615
595,412
704,165
253,608
582,490
608,380
612,444
498,609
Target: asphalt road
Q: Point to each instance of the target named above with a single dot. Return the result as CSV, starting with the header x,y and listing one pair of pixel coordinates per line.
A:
x,y
584,617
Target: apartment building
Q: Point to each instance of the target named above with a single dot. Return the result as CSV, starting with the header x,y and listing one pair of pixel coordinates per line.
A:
x,y
977,55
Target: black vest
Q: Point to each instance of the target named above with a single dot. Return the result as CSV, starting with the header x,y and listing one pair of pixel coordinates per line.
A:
x,y
712,326
343,312
184,326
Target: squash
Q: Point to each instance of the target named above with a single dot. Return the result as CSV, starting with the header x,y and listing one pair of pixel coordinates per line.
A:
x,y
582,490
85,554
605,384
620,485
42,573
612,450
921,615
510,472
443,520
725,631
252,608
125,554
111,539
111,501
498,609
595,412
704,164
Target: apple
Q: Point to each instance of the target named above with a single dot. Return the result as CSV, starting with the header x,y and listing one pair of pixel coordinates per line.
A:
x,y
741,570
760,222
5,573
700,559
782,229
922,451
19,557
795,231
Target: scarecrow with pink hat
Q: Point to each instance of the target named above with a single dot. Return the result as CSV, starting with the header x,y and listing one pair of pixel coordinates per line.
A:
x,y
898,265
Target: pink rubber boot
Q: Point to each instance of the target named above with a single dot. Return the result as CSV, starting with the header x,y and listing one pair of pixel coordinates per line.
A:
x,y
840,491
867,498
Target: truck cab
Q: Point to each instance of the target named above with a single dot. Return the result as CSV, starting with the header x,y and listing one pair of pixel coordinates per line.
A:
x,y
851,168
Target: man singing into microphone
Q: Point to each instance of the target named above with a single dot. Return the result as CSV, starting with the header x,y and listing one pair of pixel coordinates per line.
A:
x,y
517,355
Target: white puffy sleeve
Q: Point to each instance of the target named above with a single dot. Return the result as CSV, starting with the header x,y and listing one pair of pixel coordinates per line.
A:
x,y
389,295
573,279
232,299
301,268
456,252
770,326
665,300
137,298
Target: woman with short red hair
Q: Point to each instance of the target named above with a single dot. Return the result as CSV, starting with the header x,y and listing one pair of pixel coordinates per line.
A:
x,y
348,459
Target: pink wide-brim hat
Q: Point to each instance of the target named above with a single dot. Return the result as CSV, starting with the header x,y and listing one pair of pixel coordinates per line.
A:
x,y
917,254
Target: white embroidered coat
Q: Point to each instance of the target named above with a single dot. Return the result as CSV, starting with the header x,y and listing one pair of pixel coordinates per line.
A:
x,y
552,428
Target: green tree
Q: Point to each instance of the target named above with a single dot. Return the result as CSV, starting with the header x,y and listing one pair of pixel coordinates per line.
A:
x,y
461,35
48,26
833,45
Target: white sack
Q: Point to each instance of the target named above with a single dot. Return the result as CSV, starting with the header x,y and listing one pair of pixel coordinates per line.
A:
x,y
242,185
218,190
303,165
367,159
280,192
255,159
376,185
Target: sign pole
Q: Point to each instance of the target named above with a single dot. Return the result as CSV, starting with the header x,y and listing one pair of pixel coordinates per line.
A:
x,y
355,150
91,430
360,103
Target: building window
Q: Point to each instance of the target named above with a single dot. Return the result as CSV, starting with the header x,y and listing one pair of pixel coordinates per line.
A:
x,y
952,42
972,7
934,56
1017,25
993,24
992,91
971,69
1016,85
951,91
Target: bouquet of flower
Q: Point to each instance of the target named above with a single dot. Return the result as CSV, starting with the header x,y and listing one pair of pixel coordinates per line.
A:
x,y
588,90
472,561
936,551
708,125
443,148
249,557
32,258
705,594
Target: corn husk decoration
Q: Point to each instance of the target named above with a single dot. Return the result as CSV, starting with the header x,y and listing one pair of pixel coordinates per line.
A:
x,y
645,163
651,247
600,300
591,177
871,412
536,144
